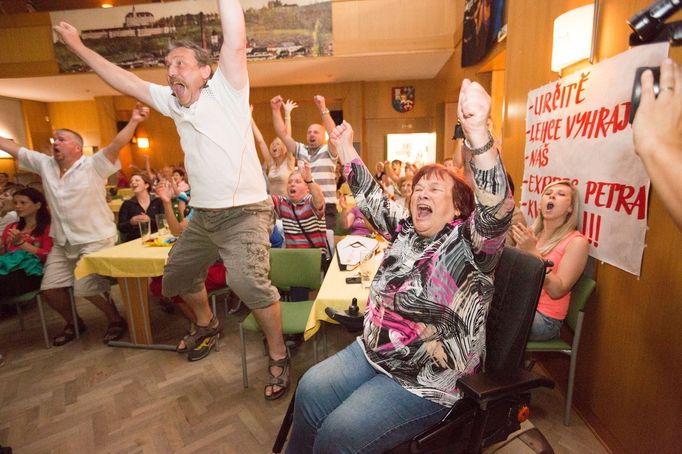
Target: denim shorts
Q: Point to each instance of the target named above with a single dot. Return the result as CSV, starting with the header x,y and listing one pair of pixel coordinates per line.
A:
x,y
544,327
240,236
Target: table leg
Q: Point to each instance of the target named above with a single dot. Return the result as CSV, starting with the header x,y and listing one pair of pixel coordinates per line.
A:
x,y
134,292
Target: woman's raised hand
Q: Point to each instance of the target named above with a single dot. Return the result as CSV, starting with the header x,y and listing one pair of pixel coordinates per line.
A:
x,y
342,135
289,105
473,110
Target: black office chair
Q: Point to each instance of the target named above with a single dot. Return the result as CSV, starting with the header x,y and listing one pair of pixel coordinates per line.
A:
x,y
494,402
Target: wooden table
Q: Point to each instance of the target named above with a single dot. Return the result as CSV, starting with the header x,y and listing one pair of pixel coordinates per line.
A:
x,y
336,293
132,263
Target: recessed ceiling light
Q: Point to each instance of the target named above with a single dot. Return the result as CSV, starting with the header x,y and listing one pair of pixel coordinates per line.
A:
x,y
107,5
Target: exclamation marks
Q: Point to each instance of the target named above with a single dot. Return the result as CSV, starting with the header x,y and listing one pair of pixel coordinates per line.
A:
x,y
591,227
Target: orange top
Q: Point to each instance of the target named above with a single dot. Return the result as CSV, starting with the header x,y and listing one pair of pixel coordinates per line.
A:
x,y
556,308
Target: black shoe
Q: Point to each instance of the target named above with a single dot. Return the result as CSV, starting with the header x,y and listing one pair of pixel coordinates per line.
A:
x,y
204,347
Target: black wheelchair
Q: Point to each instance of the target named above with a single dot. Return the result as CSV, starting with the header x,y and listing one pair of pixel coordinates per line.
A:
x,y
495,401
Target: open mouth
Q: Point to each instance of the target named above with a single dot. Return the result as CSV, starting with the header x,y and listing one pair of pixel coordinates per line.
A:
x,y
424,210
550,205
178,88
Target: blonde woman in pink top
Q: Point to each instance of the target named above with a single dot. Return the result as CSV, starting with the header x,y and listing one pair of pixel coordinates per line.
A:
x,y
554,236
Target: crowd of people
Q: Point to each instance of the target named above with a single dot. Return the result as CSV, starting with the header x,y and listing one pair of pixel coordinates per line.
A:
x,y
446,225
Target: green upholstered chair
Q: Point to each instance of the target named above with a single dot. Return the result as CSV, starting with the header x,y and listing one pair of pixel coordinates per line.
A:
x,y
580,294
288,268
19,300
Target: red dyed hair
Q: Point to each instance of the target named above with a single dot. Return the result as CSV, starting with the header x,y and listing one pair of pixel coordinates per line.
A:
x,y
462,194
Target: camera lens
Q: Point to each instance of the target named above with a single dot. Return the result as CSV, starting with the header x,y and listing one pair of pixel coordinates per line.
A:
x,y
648,22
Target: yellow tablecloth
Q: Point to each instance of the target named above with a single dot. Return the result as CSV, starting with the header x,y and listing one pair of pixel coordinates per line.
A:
x,y
115,205
335,293
132,263
131,259
126,193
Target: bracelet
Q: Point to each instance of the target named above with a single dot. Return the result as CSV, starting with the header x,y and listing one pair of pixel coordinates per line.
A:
x,y
483,149
325,112
308,182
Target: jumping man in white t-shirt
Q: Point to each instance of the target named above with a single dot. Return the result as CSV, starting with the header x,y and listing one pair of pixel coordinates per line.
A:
x,y
232,212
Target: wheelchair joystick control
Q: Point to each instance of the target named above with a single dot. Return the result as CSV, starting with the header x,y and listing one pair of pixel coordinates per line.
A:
x,y
351,318
353,309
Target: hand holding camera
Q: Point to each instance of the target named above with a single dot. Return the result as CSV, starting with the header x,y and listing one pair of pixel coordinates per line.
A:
x,y
657,134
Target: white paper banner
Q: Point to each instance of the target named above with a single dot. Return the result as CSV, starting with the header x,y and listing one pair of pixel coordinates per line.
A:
x,y
577,129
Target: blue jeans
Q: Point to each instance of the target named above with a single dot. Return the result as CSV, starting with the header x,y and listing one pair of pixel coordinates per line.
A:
x,y
343,405
544,327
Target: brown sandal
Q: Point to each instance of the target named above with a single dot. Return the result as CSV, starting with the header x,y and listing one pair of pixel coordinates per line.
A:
x,y
194,337
69,333
281,380
115,331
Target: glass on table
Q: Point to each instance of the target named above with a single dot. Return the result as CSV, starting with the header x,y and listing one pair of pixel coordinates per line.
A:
x,y
145,230
162,225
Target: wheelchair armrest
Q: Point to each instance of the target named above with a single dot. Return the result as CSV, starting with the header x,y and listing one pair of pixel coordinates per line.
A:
x,y
484,387
353,323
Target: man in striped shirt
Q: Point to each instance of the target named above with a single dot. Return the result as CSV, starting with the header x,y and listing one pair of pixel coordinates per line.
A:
x,y
321,156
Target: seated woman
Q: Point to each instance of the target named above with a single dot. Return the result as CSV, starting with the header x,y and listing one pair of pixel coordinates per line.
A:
x,y
142,207
424,326
554,237
302,211
25,244
353,219
405,191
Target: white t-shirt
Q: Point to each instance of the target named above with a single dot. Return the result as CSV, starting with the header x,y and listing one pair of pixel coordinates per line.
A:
x,y
215,135
77,200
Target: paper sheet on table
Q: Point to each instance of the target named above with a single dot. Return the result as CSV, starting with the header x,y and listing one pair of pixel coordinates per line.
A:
x,y
352,249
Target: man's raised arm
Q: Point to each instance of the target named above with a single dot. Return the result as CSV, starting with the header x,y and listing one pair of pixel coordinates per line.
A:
x,y
120,79
10,147
140,114
233,53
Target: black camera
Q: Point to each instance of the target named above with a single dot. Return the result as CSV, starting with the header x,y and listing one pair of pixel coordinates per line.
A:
x,y
637,87
649,24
